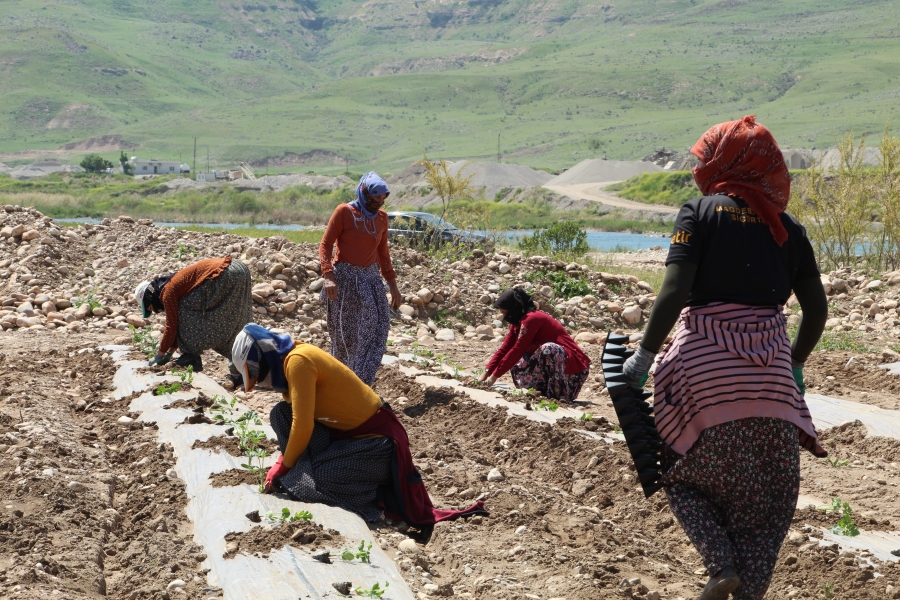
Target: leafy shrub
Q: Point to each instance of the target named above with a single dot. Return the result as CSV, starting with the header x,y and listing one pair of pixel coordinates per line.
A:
x,y
564,239
94,163
563,285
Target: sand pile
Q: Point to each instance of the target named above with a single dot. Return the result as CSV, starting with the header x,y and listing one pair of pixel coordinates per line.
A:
x,y
596,170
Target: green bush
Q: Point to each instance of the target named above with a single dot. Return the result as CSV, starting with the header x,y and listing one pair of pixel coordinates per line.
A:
x,y
562,284
564,239
94,163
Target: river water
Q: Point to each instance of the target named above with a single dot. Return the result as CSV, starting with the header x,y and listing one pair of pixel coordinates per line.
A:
x,y
602,241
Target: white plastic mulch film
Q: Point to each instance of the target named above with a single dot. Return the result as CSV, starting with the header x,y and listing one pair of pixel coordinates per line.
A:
x,y
288,573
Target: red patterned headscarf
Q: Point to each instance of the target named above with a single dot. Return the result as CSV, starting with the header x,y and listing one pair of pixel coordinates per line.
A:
x,y
741,158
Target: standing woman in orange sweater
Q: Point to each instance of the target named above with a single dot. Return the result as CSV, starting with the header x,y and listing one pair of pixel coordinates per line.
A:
x,y
206,306
358,314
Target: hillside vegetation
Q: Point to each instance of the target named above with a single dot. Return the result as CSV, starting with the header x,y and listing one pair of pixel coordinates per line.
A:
x,y
323,84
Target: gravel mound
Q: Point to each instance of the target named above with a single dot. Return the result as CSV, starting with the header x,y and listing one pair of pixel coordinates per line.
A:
x,y
596,170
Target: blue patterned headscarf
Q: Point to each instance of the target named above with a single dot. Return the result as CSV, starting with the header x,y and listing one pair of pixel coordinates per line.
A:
x,y
258,354
370,184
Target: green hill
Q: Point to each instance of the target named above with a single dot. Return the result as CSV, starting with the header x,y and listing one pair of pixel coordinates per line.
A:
x,y
323,83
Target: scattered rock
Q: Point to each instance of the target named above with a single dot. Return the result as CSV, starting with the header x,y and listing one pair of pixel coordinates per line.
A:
x,y
495,475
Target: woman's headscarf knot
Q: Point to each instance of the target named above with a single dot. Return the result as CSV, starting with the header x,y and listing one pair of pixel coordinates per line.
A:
x,y
741,158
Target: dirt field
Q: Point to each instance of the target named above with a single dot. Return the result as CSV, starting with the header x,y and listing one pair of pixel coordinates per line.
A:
x,y
90,506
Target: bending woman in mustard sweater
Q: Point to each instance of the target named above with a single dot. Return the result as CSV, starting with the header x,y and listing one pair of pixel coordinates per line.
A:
x,y
340,444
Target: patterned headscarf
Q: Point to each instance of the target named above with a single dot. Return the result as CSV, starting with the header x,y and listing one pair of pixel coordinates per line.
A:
x,y
258,355
370,184
149,294
742,159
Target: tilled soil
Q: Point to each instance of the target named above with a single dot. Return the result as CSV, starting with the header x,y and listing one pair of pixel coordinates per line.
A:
x,y
90,508
233,477
231,445
263,539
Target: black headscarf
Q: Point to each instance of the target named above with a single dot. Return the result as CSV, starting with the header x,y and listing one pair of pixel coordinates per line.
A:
x,y
517,303
153,295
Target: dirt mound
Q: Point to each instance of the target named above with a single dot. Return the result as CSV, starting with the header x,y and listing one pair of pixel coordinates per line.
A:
x,y
230,445
233,477
313,157
265,538
104,143
596,170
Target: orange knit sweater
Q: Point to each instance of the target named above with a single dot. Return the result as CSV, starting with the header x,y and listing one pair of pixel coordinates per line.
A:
x,y
183,283
355,245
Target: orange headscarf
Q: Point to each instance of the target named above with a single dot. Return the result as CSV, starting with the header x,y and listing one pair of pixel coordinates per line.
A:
x,y
742,159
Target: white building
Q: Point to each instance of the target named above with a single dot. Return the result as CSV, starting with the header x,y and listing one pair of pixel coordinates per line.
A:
x,y
159,167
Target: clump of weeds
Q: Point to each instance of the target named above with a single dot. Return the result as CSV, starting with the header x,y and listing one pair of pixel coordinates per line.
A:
x,y
250,440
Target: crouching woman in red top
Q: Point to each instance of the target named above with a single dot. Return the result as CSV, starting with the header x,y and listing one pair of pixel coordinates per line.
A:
x,y
537,351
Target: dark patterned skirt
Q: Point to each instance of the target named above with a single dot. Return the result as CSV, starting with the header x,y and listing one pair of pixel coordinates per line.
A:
x,y
735,493
545,371
342,473
359,320
211,316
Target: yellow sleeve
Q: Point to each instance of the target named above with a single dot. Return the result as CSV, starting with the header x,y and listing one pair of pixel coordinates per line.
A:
x,y
301,374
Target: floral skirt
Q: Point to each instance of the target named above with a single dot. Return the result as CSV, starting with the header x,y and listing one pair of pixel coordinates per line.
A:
x,y
359,320
545,371
211,316
735,493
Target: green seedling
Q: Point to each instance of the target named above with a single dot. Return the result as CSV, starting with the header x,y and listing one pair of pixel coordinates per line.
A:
x,y
836,462
376,591
585,417
91,299
362,553
163,389
547,405
182,252
845,525
286,517
143,340
829,590
617,429
250,440
185,375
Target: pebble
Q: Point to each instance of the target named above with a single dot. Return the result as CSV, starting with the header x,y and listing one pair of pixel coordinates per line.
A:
x,y
521,529
76,486
125,420
632,315
445,335
409,546
430,588
176,584
495,475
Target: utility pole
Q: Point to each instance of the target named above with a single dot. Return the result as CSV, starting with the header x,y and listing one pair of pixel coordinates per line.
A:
x,y
194,166
498,149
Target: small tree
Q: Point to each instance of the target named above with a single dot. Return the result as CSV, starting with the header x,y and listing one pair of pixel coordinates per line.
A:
x,y
446,185
127,167
561,240
94,163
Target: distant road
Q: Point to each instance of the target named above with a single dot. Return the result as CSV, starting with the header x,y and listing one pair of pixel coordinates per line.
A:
x,y
594,193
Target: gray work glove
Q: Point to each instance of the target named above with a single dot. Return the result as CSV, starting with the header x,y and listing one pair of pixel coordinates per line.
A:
x,y
638,366
160,360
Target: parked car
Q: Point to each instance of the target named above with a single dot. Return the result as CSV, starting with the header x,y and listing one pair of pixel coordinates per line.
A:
x,y
422,227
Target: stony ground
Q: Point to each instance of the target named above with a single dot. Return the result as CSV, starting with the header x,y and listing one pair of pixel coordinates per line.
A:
x,y
89,507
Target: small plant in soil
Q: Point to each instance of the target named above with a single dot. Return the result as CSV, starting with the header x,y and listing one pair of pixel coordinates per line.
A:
x,y
285,516
91,299
250,440
836,462
144,341
828,589
845,525
585,417
164,389
617,429
185,375
362,553
547,405
376,591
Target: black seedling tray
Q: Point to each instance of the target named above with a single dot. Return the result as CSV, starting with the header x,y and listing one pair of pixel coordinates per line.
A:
x,y
635,415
